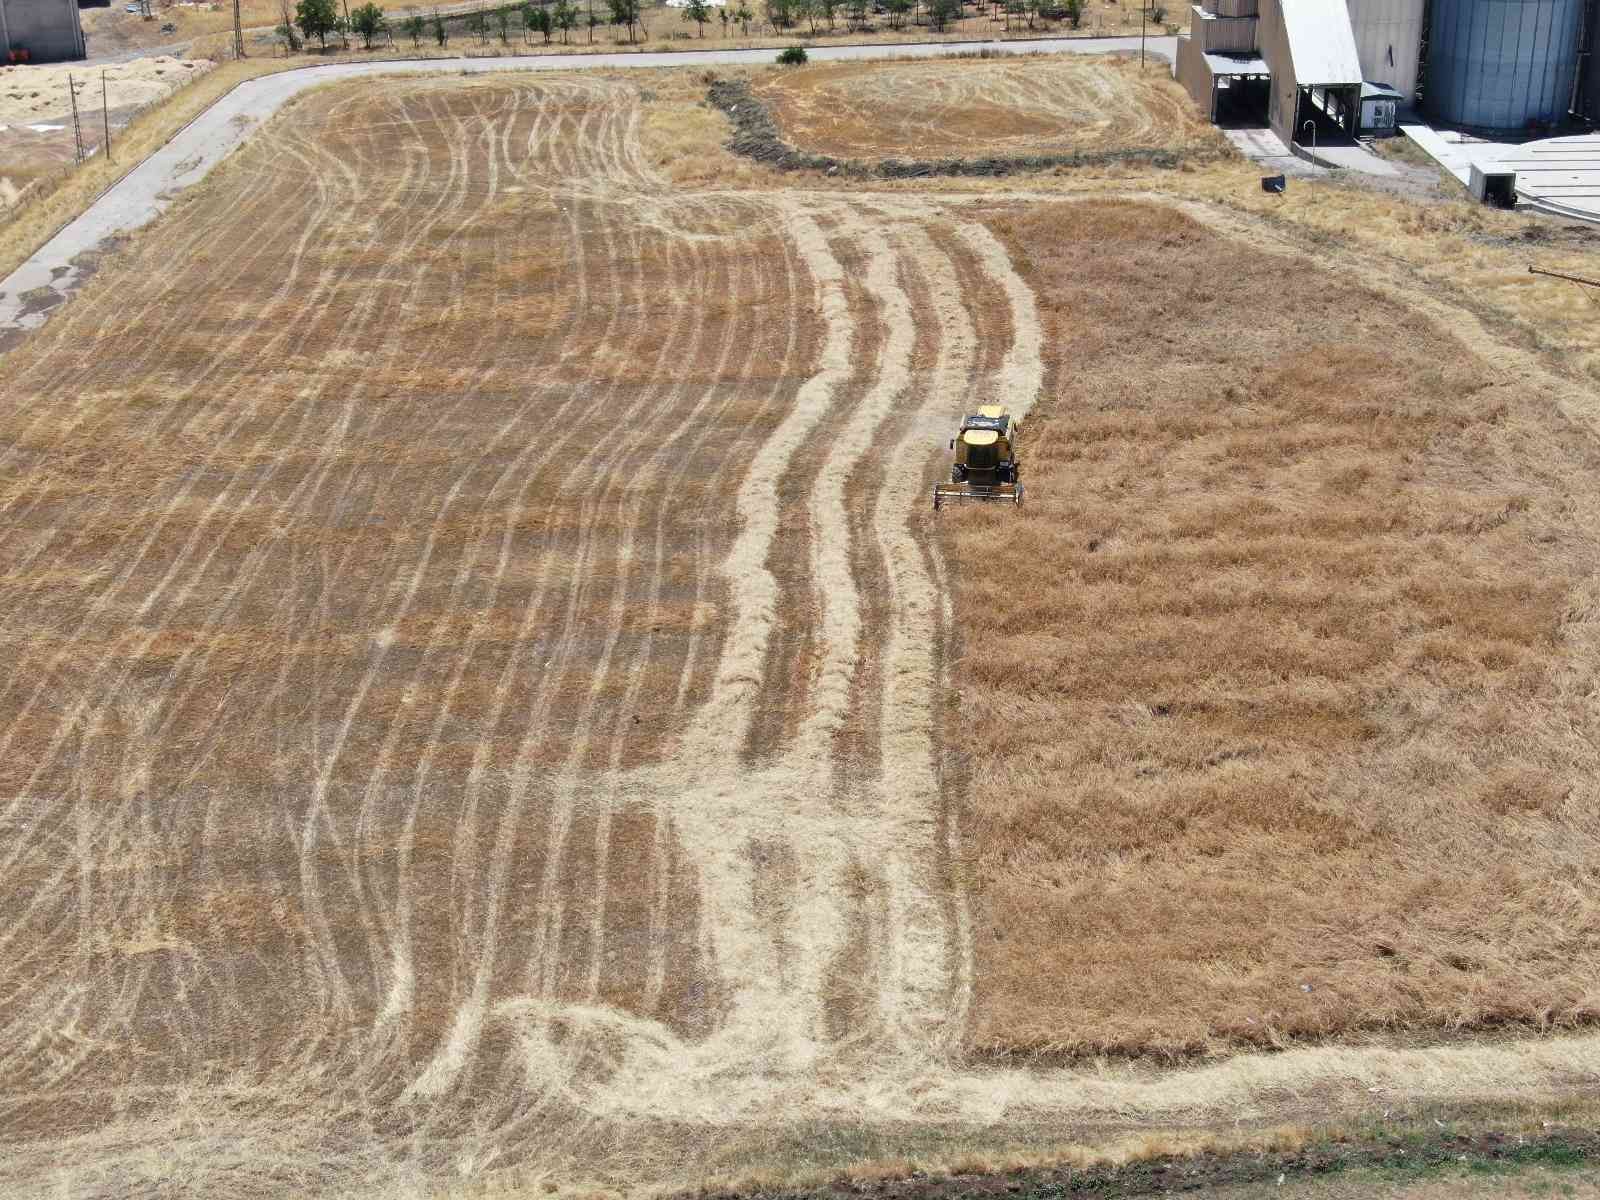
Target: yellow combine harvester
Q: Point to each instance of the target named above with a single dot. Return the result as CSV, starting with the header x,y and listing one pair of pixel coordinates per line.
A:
x,y
985,466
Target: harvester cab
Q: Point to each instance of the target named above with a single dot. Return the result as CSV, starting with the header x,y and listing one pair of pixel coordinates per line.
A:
x,y
985,462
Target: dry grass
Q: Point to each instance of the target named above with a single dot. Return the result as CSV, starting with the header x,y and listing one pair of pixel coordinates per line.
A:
x,y
1275,691
1042,104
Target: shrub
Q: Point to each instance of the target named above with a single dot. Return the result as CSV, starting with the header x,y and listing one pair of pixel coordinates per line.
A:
x,y
792,56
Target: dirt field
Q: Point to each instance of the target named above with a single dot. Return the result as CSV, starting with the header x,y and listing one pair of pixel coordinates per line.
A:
x,y
482,709
926,109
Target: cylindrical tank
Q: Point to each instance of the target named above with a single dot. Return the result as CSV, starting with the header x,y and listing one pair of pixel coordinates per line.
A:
x,y
1502,64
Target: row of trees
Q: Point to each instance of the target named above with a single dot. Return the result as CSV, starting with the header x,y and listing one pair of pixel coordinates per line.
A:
x,y
319,19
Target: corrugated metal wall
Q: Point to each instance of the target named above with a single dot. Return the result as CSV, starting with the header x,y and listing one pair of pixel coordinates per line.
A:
x,y
1388,37
1502,64
1589,85
49,30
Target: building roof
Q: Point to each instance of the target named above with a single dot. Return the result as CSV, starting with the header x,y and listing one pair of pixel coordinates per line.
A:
x,y
1237,64
1370,90
1321,43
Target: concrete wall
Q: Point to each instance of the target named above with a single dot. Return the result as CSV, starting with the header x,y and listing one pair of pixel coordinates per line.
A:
x,y
49,30
1273,36
1189,65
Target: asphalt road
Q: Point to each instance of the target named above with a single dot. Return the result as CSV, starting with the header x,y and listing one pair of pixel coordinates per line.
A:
x,y
41,284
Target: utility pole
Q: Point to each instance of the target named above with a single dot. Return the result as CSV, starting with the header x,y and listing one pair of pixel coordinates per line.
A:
x,y
77,126
1142,11
105,114
238,32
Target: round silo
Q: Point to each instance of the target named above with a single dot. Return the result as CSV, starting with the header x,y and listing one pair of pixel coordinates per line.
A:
x,y
1502,64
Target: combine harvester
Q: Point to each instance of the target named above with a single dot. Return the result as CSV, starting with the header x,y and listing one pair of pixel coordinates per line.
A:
x,y
985,466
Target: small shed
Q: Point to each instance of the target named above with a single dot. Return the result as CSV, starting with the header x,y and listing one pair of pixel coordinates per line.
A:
x,y
1380,105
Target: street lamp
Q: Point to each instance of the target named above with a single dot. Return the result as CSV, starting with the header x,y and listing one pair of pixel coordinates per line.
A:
x,y
1312,125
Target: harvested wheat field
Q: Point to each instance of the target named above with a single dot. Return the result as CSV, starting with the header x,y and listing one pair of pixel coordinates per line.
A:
x,y
990,106
489,710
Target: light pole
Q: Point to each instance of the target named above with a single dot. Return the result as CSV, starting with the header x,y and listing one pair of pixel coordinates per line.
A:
x,y
1312,125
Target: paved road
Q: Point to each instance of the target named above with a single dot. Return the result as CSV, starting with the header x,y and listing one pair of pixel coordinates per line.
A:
x,y
30,293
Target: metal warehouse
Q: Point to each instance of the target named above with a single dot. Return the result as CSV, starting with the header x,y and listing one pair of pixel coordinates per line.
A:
x,y
40,31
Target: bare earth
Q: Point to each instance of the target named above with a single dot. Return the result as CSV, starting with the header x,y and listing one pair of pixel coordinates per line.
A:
x,y
482,693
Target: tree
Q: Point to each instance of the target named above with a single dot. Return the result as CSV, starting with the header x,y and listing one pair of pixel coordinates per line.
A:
x,y
856,15
827,8
942,12
722,15
897,12
781,13
566,18
440,33
317,19
537,17
503,26
625,12
369,22
1074,11
286,29
699,12
744,17
414,27
478,23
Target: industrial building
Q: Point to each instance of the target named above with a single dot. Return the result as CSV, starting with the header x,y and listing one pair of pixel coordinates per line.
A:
x,y
40,31
1290,64
1326,67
